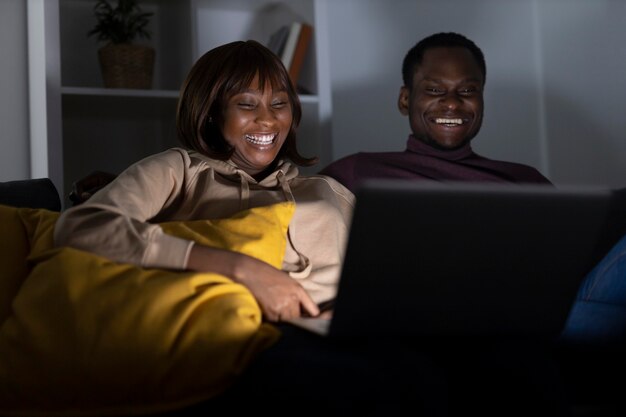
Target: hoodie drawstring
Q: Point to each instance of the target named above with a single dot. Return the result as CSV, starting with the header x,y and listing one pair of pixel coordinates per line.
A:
x,y
244,202
304,264
284,184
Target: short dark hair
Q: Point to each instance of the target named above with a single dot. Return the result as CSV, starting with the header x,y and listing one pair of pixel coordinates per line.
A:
x,y
218,75
414,57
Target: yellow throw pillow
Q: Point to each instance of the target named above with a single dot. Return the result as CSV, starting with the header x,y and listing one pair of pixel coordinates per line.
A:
x,y
87,336
19,229
260,232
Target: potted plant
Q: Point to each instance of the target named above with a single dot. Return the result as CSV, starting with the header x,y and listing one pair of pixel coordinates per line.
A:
x,y
124,63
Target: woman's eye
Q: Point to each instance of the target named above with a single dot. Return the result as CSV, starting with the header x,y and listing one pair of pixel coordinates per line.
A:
x,y
244,105
279,104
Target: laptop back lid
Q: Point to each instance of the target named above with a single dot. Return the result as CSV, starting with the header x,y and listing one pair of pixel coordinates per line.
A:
x,y
452,259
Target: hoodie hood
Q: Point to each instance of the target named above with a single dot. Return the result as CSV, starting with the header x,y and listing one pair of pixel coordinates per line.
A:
x,y
229,169
280,177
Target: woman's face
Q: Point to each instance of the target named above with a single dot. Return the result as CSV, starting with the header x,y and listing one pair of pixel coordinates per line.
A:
x,y
256,124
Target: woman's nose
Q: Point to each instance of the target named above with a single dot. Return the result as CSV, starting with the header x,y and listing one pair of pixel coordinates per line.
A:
x,y
265,115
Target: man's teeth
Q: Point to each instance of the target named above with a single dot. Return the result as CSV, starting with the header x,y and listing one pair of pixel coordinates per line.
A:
x,y
261,139
441,120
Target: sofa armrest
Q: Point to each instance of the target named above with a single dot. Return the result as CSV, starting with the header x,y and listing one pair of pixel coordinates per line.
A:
x,y
33,193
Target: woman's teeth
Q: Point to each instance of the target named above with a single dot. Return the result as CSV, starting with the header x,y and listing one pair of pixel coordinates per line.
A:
x,y
261,139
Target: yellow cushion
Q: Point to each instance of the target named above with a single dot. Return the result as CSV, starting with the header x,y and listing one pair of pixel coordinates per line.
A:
x,y
89,336
19,229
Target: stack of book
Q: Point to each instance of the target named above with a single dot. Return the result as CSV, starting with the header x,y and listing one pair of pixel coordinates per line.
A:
x,y
290,43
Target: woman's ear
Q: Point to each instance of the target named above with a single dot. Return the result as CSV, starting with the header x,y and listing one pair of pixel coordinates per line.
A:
x,y
403,100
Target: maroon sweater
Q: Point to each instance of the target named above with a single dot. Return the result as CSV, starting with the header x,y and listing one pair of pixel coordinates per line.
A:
x,y
423,162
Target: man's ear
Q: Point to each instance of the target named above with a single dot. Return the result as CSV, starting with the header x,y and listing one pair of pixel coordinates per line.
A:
x,y
403,100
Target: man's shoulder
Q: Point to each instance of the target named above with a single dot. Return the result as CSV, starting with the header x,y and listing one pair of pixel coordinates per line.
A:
x,y
350,170
346,160
519,172
516,166
360,158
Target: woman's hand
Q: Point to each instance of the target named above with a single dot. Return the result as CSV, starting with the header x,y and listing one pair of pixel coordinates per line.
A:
x,y
279,296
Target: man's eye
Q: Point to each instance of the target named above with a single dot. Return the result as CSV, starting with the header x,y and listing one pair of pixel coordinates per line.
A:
x,y
434,91
467,91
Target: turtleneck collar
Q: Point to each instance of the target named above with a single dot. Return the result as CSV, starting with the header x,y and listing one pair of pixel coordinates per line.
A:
x,y
417,146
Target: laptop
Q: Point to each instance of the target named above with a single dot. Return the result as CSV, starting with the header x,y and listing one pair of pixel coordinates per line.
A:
x,y
458,259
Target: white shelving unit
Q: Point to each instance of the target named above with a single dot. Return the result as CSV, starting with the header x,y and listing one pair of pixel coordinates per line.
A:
x,y
108,129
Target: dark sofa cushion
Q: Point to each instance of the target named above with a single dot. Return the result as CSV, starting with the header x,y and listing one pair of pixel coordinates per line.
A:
x,y
33,193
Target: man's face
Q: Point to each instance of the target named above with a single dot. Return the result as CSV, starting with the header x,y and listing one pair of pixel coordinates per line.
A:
x,y
445,104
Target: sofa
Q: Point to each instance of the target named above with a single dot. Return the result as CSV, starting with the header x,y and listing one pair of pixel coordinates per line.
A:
x,y
33,193
81,335
593,379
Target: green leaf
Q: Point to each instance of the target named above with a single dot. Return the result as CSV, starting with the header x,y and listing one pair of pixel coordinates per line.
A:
x,y
122,23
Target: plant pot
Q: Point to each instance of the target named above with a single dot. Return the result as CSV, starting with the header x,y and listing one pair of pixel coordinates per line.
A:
x,y
126,65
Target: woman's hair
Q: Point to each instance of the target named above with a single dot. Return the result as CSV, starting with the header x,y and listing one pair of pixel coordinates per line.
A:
x,y
218,75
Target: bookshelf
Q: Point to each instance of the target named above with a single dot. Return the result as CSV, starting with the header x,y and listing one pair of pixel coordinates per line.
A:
x,y
108,129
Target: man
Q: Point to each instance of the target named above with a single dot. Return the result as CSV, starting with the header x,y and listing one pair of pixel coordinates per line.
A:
x,y
444,75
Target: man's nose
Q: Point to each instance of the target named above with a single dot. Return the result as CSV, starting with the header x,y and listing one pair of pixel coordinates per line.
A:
x,y
451,100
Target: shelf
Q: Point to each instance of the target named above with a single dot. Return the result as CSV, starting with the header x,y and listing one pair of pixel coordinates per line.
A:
x,y
309,99
169,35
222,21
88,127
118,92
167,94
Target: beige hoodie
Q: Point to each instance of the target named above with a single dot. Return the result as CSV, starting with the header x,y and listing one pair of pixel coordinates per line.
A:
x,y
118,221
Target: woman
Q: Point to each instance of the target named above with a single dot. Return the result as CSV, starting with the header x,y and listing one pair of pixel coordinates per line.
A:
x,y
237,115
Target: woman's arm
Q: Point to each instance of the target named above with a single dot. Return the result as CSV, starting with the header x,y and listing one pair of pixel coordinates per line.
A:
x,y
114,222
279,296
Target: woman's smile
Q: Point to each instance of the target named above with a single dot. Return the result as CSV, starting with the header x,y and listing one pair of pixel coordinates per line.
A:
x,y
262,139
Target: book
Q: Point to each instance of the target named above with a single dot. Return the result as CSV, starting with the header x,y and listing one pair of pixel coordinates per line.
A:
x,y
277,40
290,44
302,46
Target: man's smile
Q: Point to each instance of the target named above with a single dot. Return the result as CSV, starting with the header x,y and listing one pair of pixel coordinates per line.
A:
x,y
449,121
445,121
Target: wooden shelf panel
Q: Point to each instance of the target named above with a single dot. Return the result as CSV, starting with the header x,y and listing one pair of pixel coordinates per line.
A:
x,y
124,92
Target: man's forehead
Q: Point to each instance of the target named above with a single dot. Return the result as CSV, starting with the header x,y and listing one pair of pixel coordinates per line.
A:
x,y
441,62
447,55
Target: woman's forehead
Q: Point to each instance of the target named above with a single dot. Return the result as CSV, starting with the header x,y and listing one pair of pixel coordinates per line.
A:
x,y
259,82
